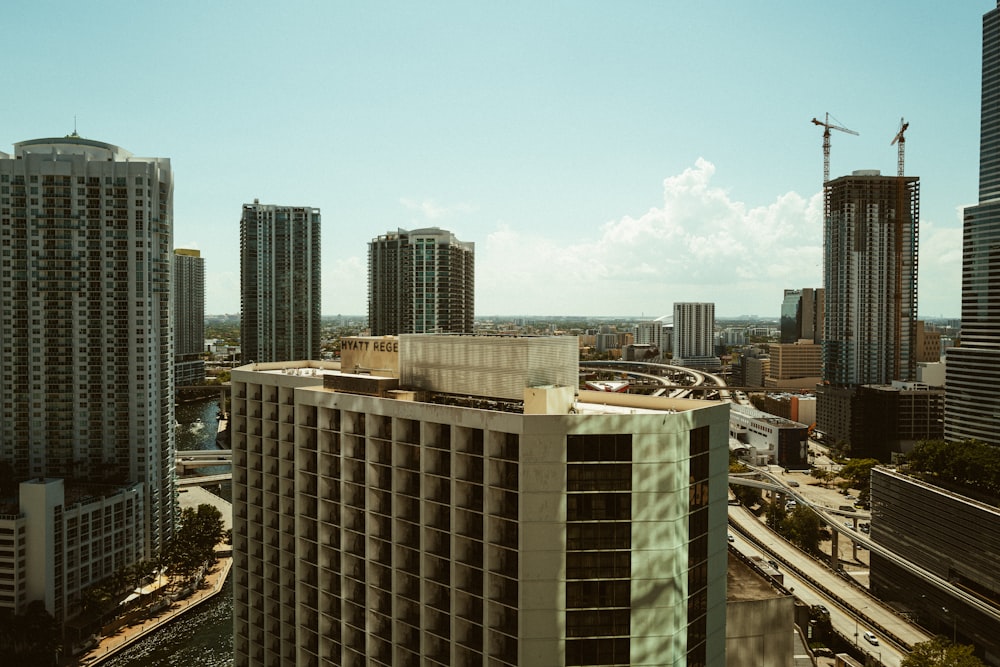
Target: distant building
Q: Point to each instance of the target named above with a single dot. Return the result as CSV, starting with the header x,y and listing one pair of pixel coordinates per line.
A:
x,y
802,312
797,364
694,335
656,333
87,366
474,510
952,537
279,282
972,409
420,281
928,346
189,317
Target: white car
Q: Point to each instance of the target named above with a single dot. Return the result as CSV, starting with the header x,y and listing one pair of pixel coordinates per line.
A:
x,y
871,638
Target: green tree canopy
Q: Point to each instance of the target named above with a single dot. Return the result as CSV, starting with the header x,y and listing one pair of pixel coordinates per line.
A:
x,y
970,462
802,528
940,652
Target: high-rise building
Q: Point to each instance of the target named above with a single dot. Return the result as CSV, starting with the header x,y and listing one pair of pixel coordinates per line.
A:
x,y
870,283
972,384
802,315
86,364
870,278
189,317
420,281
279,282
694,334
473,510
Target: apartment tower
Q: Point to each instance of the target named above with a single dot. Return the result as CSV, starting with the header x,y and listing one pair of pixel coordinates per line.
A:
x,y
279,282
870,278
189,317
473,509
420,281
694,334
86,364
870,237
972,380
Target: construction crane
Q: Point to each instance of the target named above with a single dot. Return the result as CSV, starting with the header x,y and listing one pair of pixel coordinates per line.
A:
x,y
901,140
827,126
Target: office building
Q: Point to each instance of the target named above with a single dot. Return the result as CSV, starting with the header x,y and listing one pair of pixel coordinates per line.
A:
x,y
189,317
955,541
279,282
802,313
972,383
694,335
893,418
768,438
797,365
420,281
86,364
477,509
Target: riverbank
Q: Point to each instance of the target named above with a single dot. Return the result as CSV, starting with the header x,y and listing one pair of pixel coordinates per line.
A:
x,y
110,646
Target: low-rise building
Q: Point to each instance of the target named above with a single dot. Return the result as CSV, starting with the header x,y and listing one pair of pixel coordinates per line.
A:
x,y
769,438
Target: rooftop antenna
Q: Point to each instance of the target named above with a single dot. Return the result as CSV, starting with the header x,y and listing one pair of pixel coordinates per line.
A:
x,y
74,135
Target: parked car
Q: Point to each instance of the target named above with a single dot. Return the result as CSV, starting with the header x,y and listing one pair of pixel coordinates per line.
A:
x,y
871,638
731,538
793,483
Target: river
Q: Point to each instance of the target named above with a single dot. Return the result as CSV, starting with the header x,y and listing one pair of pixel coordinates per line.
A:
x,y
201,638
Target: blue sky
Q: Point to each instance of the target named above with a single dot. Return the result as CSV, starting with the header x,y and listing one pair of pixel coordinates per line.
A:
x,y
607,158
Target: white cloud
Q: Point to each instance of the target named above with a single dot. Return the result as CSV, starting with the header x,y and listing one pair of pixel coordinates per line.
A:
x,y
700,245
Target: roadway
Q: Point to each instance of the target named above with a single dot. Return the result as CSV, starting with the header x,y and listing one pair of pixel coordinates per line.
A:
x,y
852,609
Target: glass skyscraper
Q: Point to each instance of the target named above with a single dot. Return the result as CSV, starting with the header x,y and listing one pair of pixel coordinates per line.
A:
x,y
972,399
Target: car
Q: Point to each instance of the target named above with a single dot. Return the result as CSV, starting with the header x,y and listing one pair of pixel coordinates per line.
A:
x,y
849,525
793,483
850,497
731,538
871,638
773,564
821,610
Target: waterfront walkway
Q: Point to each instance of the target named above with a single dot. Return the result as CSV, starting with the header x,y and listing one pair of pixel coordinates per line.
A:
x,y
211,586
109,646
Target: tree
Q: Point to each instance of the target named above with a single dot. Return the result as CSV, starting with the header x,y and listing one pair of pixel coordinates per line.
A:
x,y
858,472
801,527
775,514
940,652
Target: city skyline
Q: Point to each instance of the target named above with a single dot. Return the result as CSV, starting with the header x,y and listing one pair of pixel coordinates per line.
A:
x,y
626,159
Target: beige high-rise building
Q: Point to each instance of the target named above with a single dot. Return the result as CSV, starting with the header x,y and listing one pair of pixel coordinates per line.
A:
x,y
474,510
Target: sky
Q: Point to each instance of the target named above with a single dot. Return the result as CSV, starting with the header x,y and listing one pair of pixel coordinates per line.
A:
x,y
606,158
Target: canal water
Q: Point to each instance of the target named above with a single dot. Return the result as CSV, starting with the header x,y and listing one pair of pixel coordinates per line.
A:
x,y
204,637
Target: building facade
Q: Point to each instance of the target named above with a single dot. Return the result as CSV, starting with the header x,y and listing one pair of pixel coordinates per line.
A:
x,y
474,511
86,363
189,317
769,438
802,312
972,383
420,281
694,334
802,361
870,278
280,282
952,538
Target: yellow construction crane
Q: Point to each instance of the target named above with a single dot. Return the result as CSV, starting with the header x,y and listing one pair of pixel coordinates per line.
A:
x,y
827,126
901,140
